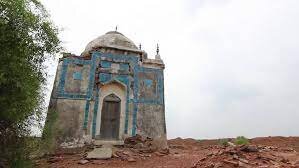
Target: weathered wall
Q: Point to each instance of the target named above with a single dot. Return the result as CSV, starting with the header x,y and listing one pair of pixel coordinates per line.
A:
x,y
130,118
81,84
71,79
54,93
120,68
148,86
89,127
151,120
77,79
151,123
151,114
70,119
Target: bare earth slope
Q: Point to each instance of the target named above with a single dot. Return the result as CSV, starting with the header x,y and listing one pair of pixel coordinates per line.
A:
x,y
262,152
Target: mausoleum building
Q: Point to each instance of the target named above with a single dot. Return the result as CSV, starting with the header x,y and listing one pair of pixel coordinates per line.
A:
x,y
110,92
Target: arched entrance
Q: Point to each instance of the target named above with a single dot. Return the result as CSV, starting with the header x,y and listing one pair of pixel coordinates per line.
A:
x,y
110,117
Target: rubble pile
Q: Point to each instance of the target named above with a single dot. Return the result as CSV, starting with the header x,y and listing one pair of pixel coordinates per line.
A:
x,y
143,144
246,156
136,148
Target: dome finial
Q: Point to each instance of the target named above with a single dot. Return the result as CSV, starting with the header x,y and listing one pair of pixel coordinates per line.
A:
x,y
139,46
116,28
157,49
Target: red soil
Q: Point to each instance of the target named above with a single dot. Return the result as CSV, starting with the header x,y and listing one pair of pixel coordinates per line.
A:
x,y
270,152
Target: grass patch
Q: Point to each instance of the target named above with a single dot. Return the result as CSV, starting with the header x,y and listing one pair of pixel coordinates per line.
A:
x,y
241,140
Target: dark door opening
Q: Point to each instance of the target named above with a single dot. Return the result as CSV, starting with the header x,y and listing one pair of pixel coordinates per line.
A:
x,y
110,118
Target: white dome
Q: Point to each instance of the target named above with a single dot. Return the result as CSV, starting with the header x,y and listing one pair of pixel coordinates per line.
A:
x,y
111,39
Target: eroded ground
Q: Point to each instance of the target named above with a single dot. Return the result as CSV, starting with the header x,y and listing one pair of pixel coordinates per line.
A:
x,y
262,152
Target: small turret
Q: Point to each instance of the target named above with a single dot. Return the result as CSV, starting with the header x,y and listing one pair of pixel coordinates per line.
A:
x,y
157,57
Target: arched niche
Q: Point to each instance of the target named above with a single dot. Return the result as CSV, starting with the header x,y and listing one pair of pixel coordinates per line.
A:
x,y
112,95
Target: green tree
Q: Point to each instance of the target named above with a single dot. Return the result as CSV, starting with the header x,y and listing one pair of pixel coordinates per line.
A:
x,y
27,39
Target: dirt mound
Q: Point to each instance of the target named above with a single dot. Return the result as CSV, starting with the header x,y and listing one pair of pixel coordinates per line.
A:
x,y
278,141
180,143
248,156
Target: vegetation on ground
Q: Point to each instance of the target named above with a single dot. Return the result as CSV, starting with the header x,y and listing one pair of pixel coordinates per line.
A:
x,y
47,144
223,142
241,140
27,39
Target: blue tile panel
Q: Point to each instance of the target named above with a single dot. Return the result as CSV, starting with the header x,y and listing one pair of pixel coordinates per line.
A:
x,y
105,77
105,64
130,80
95,111
77,76
86,114
148,82
124,66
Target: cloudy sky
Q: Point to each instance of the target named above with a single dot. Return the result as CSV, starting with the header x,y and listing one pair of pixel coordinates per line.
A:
x,y
231,65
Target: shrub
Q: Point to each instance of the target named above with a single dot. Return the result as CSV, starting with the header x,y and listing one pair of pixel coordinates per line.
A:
x,y
47,144
27,39
223,142
241,140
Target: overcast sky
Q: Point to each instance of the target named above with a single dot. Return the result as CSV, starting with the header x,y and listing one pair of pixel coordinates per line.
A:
x,y
231,65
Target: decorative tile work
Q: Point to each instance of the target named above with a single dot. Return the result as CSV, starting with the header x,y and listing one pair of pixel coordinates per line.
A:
x,y
148,82
124,79
77,76
105,77
61,92
124,66
95,113
86,114
160,94
105,64
126,63
90,88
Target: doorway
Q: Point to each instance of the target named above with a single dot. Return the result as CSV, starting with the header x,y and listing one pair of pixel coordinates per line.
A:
x,y
110,118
